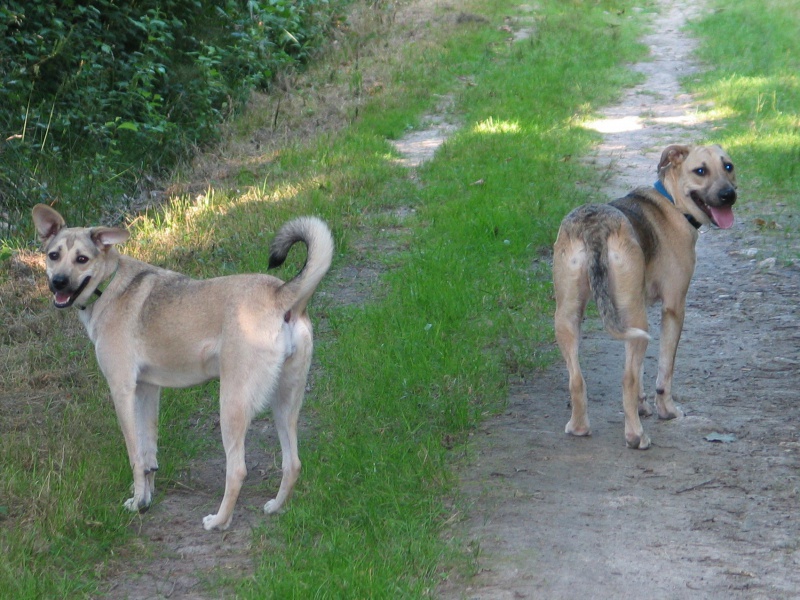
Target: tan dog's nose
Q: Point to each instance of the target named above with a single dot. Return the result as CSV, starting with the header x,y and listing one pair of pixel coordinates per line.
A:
x,y
59,282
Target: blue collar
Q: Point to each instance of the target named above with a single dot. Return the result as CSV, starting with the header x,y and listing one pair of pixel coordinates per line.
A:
x,y
663,191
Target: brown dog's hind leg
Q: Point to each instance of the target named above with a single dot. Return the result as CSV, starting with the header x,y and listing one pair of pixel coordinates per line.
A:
x,y
627,275
571,284
635,437
671,326
645,410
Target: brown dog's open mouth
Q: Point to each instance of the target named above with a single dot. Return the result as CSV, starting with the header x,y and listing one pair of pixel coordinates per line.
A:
x,y
721,216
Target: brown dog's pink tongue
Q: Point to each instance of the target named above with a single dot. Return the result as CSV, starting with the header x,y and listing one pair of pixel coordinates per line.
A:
x,y
723,216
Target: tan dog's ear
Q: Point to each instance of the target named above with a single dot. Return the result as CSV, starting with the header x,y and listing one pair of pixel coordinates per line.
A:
x,y
672,157
47,222
105,237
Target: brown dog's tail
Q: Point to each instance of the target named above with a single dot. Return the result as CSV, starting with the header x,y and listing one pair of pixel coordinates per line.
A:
x,y
316,235
599,282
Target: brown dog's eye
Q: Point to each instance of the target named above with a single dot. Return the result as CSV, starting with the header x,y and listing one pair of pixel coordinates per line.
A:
x,y
82,259
54,256
728,167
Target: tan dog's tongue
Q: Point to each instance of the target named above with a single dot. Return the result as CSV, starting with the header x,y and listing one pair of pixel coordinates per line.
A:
x,y
62,297
723,216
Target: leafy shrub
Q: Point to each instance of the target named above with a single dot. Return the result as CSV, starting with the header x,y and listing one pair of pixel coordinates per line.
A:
x,y
110,88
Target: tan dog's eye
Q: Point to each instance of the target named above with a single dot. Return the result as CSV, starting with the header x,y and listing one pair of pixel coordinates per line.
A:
x,y
729,167
81,260
701,171
54,256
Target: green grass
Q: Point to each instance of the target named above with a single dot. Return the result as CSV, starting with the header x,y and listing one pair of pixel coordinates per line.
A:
x,y
402,377
754,84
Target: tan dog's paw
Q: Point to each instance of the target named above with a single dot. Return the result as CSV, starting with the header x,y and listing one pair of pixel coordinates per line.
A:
x,y
645,410
215,522
135,504
272,507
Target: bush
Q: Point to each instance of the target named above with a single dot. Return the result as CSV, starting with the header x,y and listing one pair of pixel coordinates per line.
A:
x,y
105,87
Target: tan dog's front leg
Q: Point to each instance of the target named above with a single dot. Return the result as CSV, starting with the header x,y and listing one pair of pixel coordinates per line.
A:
x,y
125,404
671,326
147,401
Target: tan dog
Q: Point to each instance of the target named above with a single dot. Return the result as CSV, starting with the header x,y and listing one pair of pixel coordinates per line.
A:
x,y
154,328
637,250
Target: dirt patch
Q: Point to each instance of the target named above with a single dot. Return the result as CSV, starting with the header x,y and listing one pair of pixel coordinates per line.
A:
x,y
710,510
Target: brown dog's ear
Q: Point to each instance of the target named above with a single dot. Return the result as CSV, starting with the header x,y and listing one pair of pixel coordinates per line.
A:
x,y
47,222
105,237
672,156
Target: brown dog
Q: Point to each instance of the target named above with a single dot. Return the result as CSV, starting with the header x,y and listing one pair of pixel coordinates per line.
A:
x,y
637,250
154,328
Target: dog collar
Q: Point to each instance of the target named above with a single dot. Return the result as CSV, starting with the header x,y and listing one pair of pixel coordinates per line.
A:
x,y
659,186
98,292
663,191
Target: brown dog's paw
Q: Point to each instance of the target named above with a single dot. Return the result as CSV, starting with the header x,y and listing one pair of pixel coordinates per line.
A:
x,y
645,410
637,442
578,429
668,410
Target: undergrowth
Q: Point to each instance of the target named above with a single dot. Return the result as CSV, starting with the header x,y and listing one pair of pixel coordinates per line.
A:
x,y
97,98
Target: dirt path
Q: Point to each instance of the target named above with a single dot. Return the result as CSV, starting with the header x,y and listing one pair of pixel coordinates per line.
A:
x,y
553,516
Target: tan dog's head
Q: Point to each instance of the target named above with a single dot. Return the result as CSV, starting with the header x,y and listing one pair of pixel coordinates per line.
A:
x,y
78,259
702,182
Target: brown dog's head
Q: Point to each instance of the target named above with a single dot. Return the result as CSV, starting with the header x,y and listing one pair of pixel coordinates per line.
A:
x,y
78,259
702,182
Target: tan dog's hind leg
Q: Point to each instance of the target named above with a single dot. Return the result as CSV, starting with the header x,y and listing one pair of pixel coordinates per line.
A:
x,y
286,410
239,393
571,284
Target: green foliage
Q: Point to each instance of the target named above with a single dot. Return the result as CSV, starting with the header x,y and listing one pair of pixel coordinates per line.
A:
x,y
754,90
111,89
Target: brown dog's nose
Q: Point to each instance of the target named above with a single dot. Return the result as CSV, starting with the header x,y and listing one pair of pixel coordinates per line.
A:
x,y
728,196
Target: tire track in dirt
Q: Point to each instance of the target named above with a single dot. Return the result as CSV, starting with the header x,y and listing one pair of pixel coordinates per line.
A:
x,y
552,516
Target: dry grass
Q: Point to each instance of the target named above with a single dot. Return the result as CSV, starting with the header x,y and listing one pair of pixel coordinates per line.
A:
x,y
351,70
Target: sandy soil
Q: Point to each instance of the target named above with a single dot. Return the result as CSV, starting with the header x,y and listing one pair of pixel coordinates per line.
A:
x,y
553,516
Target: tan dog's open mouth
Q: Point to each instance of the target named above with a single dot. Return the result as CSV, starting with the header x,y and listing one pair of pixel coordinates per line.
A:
x,y
65,299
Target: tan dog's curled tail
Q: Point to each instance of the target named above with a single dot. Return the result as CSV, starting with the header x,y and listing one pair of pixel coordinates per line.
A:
x,y
316,235
599,284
